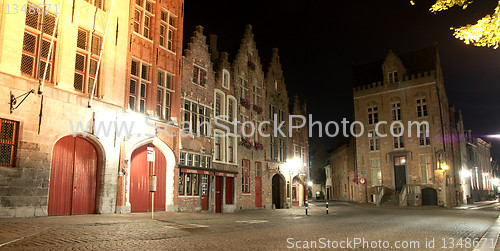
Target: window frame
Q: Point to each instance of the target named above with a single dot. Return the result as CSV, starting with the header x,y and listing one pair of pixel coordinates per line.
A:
x,y
12,142
142,9
245,176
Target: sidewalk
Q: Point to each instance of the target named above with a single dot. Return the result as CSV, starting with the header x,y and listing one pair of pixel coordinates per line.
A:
x,y
478,205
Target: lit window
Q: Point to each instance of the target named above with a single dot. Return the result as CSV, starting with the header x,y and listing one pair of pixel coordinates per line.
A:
x,y
143,15
426,169
31,49
164,91
167,30
97,3
88,48
376,172
139,80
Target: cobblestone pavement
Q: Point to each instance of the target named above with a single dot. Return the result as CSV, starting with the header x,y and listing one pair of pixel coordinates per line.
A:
x,y
251,230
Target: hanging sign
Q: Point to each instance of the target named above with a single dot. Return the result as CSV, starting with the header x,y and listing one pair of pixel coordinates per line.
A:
x,y
150,155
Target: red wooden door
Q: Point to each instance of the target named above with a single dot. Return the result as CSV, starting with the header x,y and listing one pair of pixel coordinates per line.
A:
x,y
258,192
73,178
218,194
140,170
204,192
229,190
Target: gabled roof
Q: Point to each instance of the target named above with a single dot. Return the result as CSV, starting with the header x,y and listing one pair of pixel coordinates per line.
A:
x,y
416,61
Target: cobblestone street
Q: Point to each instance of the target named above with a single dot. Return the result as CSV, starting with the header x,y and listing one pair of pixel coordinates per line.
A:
x,y
260,229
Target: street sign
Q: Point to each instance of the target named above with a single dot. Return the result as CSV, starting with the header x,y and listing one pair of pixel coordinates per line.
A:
x,y
362,181
150,155
355,180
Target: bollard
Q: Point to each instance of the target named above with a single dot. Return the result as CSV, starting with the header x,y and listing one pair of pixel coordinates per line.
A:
x,y
306,208
327,207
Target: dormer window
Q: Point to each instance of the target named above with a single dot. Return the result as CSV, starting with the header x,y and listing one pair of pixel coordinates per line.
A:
x,y
393,77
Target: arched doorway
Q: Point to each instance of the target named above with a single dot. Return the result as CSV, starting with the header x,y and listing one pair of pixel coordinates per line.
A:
x,y
429,197
73,177
297,191
278,184
140,171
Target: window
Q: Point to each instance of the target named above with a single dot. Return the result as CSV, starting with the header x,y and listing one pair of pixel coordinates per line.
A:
x,y
225,79
295,150
393,77
424,137
139,79
374,141
396,111
281,117
188,184
421,107
31,46
167,30
230,149
258,169
272,111
196,118
231,108
196,160
88,49
97,3
163,93
219,110
189,159
204,185
244,87
199,76
142,17
276,84
376,172
272,148
182,158
256,94
282,156
219,145
426,168
207,162
398,140
181,183
8,142
245,173
372,115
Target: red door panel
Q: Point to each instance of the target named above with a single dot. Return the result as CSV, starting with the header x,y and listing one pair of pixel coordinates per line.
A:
x,y
229,191
258,192
140,170
61,177
85,178
218,194
73,178
161,180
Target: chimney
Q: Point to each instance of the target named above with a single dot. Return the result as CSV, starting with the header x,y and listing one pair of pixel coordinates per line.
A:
x,y
213,47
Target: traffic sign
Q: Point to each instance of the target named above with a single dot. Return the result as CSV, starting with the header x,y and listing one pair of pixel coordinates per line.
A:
x,y
362,181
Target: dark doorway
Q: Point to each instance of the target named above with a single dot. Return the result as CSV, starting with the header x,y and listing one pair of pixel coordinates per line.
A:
x,y
399,173
277,191
429,197
218,194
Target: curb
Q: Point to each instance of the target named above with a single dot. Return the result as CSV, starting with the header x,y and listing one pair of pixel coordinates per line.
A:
x,y
490,237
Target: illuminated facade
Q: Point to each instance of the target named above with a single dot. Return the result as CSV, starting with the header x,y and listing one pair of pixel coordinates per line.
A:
x,y
408,170
44,169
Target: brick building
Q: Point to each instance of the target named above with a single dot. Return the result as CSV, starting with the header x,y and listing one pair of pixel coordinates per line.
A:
x,y
343,171
415,170
152,103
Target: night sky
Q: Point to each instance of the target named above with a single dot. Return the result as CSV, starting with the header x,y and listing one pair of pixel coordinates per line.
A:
x,y
319,41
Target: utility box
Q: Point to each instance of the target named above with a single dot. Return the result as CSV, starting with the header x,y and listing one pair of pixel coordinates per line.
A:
x,y
152,183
